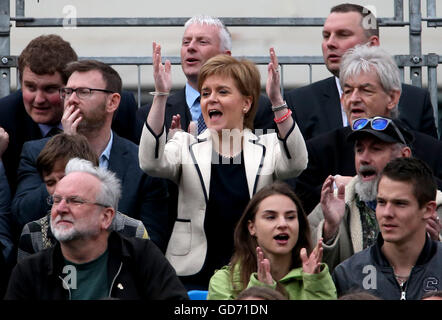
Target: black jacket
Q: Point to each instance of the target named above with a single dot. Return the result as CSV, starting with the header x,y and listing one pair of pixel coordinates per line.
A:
x,y
369,270
136,270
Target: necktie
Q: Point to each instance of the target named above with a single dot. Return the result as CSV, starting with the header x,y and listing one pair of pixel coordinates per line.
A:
x,y
53,132
201,124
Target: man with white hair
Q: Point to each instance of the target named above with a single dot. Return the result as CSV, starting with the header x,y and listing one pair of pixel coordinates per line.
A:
x,y
317,106
371,87
90,262
204,37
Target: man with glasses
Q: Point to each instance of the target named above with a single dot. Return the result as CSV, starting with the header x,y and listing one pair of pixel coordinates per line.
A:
x,y
91,262
91,96
34,111
371,87
51,162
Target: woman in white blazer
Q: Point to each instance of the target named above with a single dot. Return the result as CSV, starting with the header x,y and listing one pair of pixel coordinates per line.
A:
x,y
218,171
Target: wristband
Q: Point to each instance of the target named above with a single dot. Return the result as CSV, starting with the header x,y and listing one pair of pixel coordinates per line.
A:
x,y
277,108
284,117
158,93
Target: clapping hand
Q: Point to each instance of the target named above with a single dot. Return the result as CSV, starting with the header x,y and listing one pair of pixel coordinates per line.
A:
x,y
264,274
273,86
312,264
161,72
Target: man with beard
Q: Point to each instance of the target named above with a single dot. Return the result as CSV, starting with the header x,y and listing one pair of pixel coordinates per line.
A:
x,y
371,86
90,261
404,263
346,219
91,96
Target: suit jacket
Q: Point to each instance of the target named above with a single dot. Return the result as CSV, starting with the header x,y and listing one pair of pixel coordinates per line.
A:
x,y
143,197
21,128
331,154
317,108
176,104
6,227
187,160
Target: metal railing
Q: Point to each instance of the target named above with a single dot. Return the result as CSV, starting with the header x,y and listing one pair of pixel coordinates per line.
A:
x,y
415,60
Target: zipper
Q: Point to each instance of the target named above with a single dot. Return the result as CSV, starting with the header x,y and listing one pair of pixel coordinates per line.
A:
x,y
403,291
404,286
113,281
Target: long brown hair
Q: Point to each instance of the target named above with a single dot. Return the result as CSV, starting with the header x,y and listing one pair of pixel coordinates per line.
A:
x,y
244,256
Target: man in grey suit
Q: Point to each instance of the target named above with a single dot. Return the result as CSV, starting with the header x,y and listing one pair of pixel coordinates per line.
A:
x,y
317,106
91,96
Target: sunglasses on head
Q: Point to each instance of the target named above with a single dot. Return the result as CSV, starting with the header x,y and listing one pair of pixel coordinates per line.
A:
x,y
378,124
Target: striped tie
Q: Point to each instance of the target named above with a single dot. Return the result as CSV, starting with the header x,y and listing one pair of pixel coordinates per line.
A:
x,y
201,124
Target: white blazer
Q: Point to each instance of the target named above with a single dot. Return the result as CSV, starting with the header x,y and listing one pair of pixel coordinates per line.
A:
x,y
186,160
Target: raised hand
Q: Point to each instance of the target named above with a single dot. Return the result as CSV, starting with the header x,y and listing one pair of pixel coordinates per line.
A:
x,y
434,226
175,126
264,274
273,86
161,72
333,207
312,264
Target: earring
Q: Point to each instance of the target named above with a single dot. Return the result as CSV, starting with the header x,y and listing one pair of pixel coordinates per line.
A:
x,y
244,110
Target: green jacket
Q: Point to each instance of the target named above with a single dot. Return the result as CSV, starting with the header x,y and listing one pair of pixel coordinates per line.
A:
x,y
299,285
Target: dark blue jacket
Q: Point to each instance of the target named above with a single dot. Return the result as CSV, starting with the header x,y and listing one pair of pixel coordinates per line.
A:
x,y
369,270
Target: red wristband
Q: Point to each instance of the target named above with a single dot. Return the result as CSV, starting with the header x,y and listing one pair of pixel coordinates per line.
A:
x,y
284,117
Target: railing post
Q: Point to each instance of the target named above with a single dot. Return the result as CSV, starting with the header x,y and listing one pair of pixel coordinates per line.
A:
x,y
5,49
415,41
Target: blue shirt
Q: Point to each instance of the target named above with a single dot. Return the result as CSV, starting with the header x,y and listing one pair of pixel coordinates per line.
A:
x,y
105,155
192,102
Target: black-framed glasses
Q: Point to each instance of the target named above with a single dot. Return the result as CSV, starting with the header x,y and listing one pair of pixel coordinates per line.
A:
x,y
82,93
72,201
378,124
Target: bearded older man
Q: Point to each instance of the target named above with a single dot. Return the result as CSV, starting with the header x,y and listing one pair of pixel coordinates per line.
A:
x,y
346,218
90,261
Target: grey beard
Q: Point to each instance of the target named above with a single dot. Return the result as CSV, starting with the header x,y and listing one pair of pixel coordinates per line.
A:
x,y
367,190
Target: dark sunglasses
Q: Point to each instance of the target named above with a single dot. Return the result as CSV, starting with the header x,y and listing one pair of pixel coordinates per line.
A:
x,y
378,124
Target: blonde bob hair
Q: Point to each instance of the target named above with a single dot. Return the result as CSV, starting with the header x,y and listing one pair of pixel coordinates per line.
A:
x,y
245,75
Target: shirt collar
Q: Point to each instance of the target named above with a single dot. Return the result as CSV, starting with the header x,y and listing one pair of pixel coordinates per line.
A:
x,y
343,114
45,128
191,95
105,155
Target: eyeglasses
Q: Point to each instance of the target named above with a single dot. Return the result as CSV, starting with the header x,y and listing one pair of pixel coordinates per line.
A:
x,y
73,201
82,93
378,124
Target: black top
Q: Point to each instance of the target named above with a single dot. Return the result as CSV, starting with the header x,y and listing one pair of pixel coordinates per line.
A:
x,y
228,197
